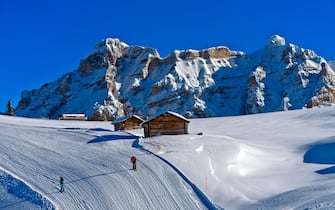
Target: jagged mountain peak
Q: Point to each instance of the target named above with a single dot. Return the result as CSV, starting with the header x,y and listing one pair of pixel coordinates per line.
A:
x,y
111,44
276,40
118,79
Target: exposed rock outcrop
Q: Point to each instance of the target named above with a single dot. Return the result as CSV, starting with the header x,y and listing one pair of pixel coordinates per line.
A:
x,y
255,92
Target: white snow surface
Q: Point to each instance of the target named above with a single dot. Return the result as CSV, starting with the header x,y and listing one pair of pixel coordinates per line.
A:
x,y
280,160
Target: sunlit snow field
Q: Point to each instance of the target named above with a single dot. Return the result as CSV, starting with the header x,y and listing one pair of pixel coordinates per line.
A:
x,y
281,160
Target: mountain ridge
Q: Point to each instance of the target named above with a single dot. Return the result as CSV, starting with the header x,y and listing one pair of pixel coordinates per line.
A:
x,y
117,79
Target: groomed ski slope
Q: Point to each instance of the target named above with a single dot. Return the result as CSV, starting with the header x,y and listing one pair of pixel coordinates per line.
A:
x,y
95,164
282,160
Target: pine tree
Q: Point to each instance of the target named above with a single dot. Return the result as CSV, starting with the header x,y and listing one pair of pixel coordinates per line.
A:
x,y
10,110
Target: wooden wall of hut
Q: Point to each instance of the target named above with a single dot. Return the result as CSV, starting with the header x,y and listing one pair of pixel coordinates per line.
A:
x,y
165,124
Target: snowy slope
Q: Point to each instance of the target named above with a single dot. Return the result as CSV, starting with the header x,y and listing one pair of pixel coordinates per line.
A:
x,y
281,160
95,165
247,161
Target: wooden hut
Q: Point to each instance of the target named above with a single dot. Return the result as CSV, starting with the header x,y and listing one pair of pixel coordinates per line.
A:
x,y
169,123
128,123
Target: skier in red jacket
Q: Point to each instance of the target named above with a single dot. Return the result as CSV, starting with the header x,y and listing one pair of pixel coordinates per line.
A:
x,y
133,160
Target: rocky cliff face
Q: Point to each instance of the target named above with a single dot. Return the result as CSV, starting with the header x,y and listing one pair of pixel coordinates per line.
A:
x,y
119,80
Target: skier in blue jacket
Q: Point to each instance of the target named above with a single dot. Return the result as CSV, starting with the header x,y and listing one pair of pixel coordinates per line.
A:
x,y
61,181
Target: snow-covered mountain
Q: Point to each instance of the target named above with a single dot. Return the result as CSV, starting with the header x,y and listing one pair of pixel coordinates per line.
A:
x,y
332,64
120,80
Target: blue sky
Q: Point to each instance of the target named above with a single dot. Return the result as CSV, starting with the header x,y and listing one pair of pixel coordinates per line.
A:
x,y
41,40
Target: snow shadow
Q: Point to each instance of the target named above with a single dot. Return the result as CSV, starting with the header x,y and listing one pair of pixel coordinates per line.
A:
x,y
97,175
73,128
90,129
20,196
111,137
322,153
99,129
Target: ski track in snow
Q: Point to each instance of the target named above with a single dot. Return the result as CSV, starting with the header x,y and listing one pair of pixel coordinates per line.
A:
x,y
97,175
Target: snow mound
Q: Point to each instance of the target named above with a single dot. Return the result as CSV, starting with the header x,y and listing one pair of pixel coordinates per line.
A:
x,y
16,194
